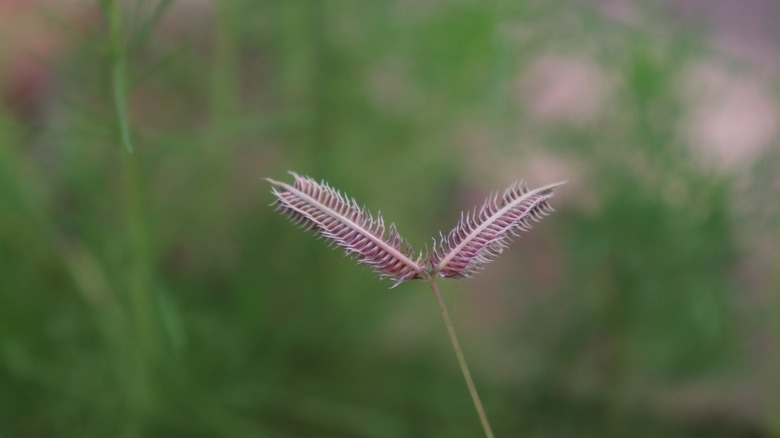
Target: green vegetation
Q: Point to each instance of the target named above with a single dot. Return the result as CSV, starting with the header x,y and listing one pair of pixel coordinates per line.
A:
x,y
155,293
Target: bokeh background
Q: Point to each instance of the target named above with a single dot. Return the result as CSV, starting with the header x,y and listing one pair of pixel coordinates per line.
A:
x,y
155,293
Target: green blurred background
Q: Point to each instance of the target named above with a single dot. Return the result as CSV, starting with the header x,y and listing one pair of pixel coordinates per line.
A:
x,y
155,293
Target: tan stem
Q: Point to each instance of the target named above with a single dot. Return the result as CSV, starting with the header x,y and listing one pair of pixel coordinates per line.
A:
x,y
461,360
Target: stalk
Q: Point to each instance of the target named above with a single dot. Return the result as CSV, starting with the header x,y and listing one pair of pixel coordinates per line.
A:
x,y
461,359
118,70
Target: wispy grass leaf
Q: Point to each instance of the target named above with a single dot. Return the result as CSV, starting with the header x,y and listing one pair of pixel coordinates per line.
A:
x,y
113,14
343,222
480,236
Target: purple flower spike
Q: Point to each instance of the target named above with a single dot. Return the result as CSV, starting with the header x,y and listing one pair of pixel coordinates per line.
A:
x,y
344,223
481,236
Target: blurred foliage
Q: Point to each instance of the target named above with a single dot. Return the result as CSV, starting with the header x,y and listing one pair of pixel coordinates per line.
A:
x,y
156,294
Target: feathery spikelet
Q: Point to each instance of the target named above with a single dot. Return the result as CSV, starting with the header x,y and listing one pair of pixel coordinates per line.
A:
x,y
480,237
344,223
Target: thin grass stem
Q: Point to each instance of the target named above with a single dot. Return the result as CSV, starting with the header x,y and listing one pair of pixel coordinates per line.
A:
x,y
461,359
118,70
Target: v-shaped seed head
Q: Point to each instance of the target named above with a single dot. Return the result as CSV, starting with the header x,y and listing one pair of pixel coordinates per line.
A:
x,y
476,240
